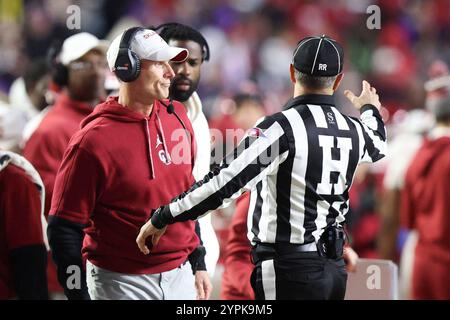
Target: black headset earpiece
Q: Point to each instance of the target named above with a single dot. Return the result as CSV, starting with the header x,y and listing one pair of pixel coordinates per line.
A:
x,y
128,65
59,72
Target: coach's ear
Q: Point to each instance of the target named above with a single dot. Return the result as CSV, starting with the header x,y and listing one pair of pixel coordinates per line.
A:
x,y
292,72
338,80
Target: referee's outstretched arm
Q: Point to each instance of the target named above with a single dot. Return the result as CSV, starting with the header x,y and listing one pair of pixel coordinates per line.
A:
x,y
259,154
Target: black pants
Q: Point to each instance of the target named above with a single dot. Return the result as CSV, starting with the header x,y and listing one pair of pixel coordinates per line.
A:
x,y
300,276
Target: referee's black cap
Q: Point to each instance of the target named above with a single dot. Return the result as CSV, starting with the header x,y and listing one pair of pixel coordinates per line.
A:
x,y
318,56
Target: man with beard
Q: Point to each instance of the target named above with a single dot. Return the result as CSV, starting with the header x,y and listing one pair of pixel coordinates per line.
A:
x,y
183,88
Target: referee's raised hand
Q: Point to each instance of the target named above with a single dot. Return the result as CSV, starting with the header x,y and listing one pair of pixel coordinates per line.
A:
x,y
368,96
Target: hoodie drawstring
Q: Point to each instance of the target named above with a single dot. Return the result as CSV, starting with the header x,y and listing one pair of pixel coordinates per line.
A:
x,y
147,131
160,127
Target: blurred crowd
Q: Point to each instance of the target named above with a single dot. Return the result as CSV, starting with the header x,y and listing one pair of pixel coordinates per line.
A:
x,y
252,40
251,45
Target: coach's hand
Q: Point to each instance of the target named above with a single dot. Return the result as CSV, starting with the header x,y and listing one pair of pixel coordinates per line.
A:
x,y
149,230
203,285
368,96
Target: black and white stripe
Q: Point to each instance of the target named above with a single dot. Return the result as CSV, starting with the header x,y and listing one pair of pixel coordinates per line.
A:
x,y
299,171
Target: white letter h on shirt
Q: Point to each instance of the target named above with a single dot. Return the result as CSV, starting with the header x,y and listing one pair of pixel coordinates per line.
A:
x,y
329,165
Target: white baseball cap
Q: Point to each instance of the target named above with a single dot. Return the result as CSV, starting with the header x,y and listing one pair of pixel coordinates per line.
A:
x,y
76,46
148,45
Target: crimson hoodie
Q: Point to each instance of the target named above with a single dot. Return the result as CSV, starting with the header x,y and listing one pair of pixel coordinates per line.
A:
x,y
425,205
114,173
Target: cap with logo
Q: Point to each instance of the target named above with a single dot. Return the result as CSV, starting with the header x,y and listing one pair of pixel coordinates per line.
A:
x,y
318,56
147,45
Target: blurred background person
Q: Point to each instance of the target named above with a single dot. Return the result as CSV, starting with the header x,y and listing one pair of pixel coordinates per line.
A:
x,y
183,88
27,97
79,69
23,253
425,208
409,129
238,266
28,93
240,113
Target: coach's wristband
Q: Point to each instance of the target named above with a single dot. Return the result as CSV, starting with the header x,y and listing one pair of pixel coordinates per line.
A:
x,y
197,259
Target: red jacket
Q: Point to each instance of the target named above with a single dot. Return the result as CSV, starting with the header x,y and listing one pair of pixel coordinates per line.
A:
x,y
114,172
46,146
238,266
425,199
20,220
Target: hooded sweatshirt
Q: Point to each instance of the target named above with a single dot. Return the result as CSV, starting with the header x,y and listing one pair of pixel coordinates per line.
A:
x,y
118,168
425,204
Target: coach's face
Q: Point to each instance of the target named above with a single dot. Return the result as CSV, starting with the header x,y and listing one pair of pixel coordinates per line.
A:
x,y
187,73
154,79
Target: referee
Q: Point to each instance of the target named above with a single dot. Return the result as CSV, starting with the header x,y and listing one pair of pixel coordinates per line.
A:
x,y
298,165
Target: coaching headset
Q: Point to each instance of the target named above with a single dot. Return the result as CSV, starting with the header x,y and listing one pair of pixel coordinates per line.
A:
x,y
59,72
127,66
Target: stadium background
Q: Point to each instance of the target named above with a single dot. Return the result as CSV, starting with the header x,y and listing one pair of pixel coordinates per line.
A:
x,y
251,45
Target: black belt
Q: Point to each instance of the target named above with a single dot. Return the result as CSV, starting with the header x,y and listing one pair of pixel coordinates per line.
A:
x,y
268,251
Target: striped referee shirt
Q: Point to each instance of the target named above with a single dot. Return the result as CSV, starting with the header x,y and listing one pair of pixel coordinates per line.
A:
x,y
298,164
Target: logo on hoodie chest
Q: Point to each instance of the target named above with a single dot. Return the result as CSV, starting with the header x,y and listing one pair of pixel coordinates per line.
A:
x,y
162,154
165,158
158,141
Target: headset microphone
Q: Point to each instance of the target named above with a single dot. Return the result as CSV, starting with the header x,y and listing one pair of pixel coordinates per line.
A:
x,y
170,108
